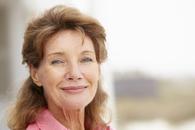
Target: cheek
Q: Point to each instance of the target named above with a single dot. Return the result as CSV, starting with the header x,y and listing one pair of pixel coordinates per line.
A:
x,y
91,74
50,77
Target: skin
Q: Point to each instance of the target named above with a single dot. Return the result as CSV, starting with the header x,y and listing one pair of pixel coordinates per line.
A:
x,y
69,74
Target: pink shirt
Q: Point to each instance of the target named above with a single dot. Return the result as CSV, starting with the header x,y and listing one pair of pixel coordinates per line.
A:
x,y
45,121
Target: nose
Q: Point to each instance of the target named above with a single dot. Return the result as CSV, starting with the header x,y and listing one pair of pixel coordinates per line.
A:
x,y
74,72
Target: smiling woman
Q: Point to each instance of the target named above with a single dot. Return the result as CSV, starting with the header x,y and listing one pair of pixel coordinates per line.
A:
x,y
63,49
68,71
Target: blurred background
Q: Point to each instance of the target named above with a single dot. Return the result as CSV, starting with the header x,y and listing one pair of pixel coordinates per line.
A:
x,y
150,71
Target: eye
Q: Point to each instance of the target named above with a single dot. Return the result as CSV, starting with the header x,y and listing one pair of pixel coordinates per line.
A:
x,y
87,59
53,62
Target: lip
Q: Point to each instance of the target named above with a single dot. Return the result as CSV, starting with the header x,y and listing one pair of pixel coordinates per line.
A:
x,y
74,89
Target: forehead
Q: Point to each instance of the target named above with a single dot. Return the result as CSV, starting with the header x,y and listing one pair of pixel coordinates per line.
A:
x,y
68,41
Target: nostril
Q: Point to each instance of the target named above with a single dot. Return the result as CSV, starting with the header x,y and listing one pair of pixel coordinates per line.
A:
x,y
74,78
70,78
74,73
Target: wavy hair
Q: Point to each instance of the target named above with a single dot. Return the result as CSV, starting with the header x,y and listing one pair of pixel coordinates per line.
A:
x,y
31,99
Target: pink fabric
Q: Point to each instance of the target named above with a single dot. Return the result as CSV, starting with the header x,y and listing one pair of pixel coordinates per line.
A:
x,y
45,121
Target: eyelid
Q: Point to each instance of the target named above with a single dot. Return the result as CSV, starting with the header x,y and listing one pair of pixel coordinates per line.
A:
x,y
87,59
57,61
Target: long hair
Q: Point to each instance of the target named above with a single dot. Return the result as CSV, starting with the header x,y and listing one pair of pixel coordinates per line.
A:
x,y
31,99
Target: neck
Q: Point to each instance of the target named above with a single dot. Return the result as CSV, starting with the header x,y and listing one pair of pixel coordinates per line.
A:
x,y
72,119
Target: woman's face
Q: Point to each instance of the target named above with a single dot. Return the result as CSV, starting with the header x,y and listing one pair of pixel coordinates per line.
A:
x,y
69,71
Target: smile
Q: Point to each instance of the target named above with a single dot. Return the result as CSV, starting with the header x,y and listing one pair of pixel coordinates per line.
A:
x,y
74,89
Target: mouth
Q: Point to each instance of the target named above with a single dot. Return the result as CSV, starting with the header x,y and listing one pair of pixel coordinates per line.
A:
x,y
74,89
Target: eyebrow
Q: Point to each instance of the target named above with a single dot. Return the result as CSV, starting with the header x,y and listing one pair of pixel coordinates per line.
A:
x,y
62,53
56,53
88,51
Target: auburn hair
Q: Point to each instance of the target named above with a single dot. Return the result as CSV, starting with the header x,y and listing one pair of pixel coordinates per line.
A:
x,y
31,100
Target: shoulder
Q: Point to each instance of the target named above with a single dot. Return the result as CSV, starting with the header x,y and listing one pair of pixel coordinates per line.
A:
x,y
45,121
32,126
110,128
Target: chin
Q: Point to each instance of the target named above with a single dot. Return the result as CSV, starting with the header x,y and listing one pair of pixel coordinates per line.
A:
x,y
75,105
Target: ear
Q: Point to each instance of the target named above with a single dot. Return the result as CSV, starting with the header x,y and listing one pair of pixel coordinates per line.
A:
x,y
34,75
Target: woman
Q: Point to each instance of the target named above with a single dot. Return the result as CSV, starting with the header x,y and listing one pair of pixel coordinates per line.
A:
x,y
63,49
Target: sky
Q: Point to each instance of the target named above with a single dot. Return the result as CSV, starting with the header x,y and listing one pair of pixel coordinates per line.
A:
x,y
154,36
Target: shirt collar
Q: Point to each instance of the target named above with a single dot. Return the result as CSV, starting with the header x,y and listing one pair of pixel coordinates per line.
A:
x,y
46,121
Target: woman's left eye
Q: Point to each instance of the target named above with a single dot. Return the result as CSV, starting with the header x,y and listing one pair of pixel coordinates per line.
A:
x,y
56,62
87,59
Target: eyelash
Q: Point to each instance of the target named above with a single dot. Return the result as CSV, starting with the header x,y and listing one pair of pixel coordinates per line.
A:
x,y
56,62
87,59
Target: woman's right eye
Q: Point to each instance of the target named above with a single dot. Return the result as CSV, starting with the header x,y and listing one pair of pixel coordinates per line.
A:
x,y
57,62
